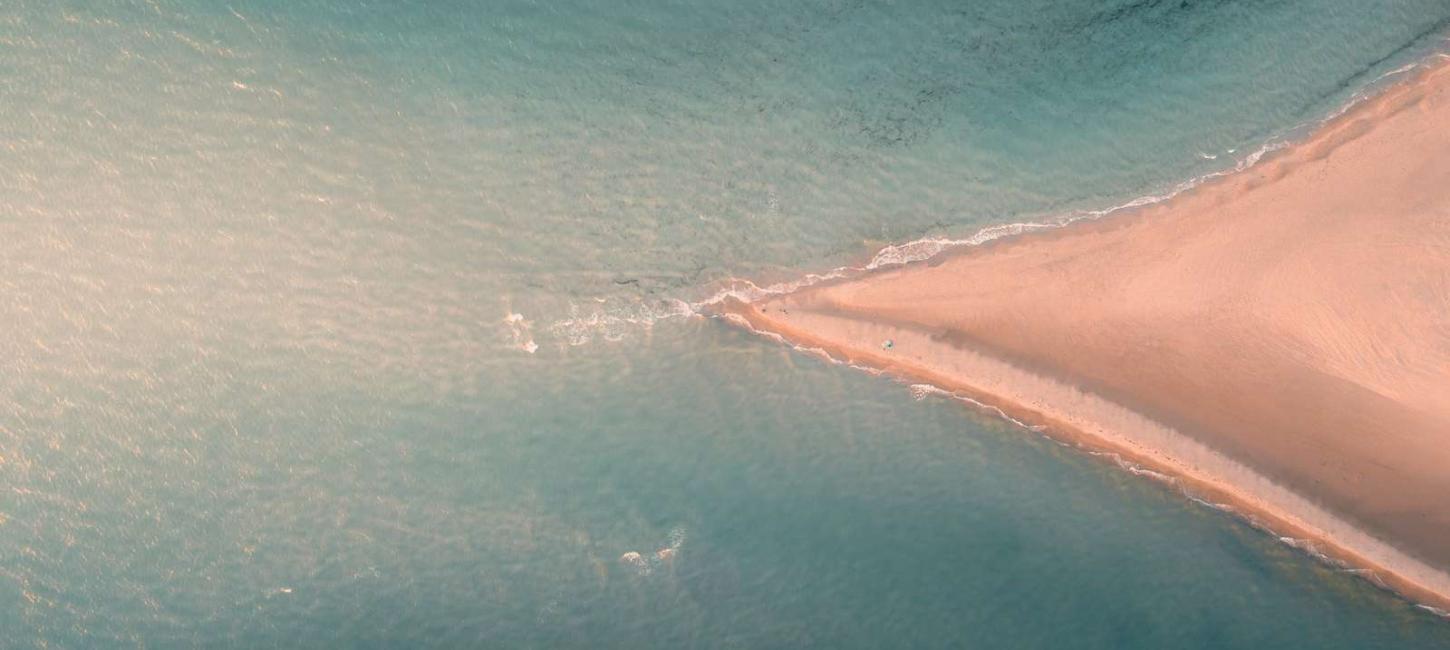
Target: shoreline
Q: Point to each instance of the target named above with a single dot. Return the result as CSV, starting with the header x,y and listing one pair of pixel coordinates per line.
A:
x,y
1045,405
930,247
953,322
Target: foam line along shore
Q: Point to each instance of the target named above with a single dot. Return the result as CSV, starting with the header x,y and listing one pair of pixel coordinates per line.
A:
x,y
1275,336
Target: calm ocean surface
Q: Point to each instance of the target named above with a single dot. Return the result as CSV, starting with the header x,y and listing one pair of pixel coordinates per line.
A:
x,y
369,323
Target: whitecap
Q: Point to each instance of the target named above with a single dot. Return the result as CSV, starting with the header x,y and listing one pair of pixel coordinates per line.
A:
x,y
519,331
615,323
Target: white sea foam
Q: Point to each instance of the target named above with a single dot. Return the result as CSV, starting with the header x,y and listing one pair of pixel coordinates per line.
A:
x,y
1222,507
1308,547
677,537
614,323
519,331
1374,87
1138,470
926,248
1366,574
748,291
636,561
1434,610
920,392
645,565
584,326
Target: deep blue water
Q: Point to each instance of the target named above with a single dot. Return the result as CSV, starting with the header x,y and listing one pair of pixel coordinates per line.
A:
x,y
371,324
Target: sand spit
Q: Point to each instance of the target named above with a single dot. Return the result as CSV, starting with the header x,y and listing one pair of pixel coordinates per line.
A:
x,y
1277,337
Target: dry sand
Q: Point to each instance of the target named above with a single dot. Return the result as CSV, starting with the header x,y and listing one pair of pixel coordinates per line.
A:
x,y
1278,337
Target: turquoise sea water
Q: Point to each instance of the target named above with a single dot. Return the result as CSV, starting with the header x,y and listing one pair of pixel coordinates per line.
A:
x,y
370,324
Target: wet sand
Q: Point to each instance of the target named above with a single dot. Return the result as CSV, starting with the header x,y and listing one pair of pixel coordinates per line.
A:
x,y
1278,338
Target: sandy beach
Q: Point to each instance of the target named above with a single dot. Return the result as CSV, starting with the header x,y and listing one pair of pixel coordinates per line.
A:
x,y
1277,338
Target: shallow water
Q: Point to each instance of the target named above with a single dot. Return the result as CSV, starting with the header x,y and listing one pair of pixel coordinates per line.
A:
x,y
368,324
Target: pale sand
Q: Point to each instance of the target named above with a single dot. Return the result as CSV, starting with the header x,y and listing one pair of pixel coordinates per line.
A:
x,y
1279,337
